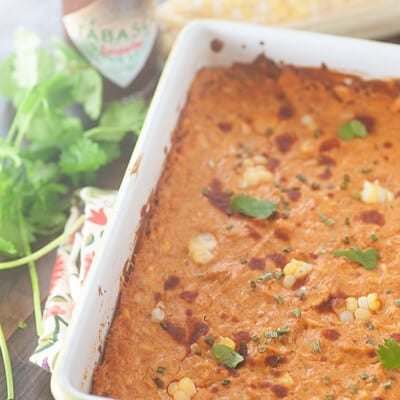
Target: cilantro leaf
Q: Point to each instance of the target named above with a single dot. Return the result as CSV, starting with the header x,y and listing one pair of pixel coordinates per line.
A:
x,y
7,247
389,354
8,86
367,258
226,356
252,207
351,129
82,156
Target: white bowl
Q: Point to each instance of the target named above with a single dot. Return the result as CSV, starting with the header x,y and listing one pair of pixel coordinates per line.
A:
x,y
192,51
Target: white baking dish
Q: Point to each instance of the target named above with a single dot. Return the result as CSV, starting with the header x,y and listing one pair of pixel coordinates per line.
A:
x,y
72,379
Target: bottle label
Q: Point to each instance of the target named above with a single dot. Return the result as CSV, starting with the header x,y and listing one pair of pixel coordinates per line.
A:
x,y
115,36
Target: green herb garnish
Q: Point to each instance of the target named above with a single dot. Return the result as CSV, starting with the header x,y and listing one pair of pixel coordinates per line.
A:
x,y
352,129
226,356
367,258
252,207
389,354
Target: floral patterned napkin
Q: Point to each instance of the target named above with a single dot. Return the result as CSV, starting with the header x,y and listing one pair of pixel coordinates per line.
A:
x,y
72,263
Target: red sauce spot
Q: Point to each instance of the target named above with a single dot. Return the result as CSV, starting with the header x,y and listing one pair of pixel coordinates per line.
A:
x,y
242,336
188,312
282,234
286,112
171,282
157,297
218,198
256,263
300,282
329,144
387,145
215,389
177,332
323,159
372,217
188,296
371,353
396,337
285,142
216,45
274,360
253,232
367,121
225,126
326,305
272,164
279,391
196,330
278,259
326,174
330,334
294,194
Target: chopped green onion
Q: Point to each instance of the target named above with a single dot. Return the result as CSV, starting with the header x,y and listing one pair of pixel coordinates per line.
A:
x,y
160,369
296,312
316,345
279,298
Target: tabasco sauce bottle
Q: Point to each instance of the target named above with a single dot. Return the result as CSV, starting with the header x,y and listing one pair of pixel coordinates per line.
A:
x,y
118,38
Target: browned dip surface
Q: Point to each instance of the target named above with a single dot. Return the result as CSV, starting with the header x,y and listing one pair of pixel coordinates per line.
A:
x,y
270,132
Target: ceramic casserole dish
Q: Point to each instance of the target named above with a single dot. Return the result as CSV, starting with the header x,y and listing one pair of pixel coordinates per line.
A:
x,y
201,44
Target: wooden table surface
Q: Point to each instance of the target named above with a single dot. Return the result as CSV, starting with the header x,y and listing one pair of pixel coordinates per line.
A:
x,y
30,381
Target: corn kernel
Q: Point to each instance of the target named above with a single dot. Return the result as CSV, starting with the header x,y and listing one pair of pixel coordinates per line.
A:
x,y
363,302
181,395
303,270
227,342
288,281
346,316
351,304
373,301
362,314
172,388
254,176
375,193
201,247
307,148
285,380
291,267
187,385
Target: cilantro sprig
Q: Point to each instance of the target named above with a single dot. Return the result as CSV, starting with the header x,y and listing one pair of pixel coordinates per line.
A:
x,y
252,207
61,135
368,258
352,129
389,354
227,356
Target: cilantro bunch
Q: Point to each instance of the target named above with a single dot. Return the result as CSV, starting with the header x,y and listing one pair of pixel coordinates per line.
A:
x,y
60,136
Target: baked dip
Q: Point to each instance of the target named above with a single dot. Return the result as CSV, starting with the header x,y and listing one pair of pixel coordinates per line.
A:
x,y
268,266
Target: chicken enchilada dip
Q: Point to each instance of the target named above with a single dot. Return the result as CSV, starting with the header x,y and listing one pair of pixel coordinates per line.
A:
x,y
269,267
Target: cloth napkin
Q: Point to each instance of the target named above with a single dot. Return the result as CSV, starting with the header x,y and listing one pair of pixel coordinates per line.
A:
x,y
72,263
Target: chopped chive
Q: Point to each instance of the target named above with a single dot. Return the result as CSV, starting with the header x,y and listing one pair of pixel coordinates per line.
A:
x,y
198,352
353,389
278,275
243,260
279,298
283,331
296,312
301,178
331,396
287,249
205,191
316,346
164,325
209,340
387,385
326,221
315,186
160,369
225,382
397,302
370,341
271,334
261,348
301,293
345,183
266,276
373,379
253,284
374,237
229,226
370,326
364,376
346,240
366,170
347,221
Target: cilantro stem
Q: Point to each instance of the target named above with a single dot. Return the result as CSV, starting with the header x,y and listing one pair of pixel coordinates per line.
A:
x,y
14,124
37,310
45,249
26,123
109,130
7,365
